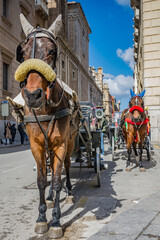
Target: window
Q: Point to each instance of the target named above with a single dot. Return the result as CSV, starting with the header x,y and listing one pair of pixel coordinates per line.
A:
x,y
5,8
83,44
91,94
5,76
73,75
63,64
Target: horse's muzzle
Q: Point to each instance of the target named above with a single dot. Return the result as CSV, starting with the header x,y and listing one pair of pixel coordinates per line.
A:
x,y
34,99
138,119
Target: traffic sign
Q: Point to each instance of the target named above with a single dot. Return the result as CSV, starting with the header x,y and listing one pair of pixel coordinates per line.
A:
x,y
5,109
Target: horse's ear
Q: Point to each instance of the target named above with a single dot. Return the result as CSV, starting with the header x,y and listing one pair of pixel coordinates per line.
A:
x,y
142,93
132,93
56,26
27,27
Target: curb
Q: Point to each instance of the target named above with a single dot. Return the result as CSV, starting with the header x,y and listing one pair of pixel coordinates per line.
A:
x,y
139,222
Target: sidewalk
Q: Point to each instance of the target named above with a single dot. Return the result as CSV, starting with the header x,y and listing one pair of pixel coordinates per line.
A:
x,y
15,143
141,222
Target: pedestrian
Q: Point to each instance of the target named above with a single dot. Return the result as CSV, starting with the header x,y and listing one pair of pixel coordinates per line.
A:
x,y
21,132
7,133
13,131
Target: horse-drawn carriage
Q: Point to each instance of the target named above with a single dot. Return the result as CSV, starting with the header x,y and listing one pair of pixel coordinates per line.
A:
x,y
136,128
88,141
115,133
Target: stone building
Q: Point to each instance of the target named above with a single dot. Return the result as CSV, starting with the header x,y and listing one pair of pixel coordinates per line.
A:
x,y
73,47
72,64
98,79
11,35
107,102
147,58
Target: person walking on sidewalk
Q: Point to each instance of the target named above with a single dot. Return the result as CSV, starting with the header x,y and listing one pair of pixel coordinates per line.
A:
x,y
7,133
13,131
21,132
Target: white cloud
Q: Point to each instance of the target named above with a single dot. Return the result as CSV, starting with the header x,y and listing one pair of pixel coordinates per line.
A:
x,y
127,56
108,75
123,2
119,86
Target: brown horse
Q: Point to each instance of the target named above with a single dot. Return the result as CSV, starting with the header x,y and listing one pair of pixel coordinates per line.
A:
x,y
134,126
49,124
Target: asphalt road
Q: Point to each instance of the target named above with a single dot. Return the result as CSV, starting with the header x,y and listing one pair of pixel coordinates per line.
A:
x,y
93,208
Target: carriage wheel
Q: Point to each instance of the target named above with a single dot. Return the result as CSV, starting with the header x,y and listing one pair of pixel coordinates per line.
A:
x,y
97,162
112,147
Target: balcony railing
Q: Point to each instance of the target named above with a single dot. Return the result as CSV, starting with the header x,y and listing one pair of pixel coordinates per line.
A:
x,y
41,7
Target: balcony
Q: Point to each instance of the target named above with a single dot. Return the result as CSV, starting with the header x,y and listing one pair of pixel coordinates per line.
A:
x,y
135,57
135,47
135,34
42,8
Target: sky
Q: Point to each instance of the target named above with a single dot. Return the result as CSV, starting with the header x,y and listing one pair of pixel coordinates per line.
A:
x,y
111,43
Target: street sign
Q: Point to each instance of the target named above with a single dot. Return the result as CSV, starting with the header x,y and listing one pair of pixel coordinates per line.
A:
x,y
5,109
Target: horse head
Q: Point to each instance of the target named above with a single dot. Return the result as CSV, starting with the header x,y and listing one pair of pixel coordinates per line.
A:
x,y
137,108
40,44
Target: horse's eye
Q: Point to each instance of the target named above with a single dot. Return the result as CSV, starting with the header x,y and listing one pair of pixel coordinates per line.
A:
x,y
51,52
23,84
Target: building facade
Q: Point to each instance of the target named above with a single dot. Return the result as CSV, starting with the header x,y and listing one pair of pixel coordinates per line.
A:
x,y
73,47
73,42
11,34
147,58
98,79
107,102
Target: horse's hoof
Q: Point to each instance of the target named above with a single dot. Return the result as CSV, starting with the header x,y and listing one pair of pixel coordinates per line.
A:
x,y
142,169
50,204
70,199
128,169
55,232
41,227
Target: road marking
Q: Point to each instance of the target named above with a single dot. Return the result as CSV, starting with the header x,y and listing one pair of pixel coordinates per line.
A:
x,y
157,146
12,169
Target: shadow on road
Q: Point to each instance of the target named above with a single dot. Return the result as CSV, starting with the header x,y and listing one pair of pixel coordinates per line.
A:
x,y
12,149
90,202
93,203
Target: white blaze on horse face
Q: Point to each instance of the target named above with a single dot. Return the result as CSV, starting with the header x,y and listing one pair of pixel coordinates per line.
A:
x,y
39,42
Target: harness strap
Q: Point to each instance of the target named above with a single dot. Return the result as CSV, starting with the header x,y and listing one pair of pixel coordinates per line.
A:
x,y
128,120
46,118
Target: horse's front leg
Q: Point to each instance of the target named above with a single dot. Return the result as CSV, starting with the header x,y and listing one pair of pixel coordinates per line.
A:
x,y
128,163
41,223
50,198
55,230
67,163
129,151
142,169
